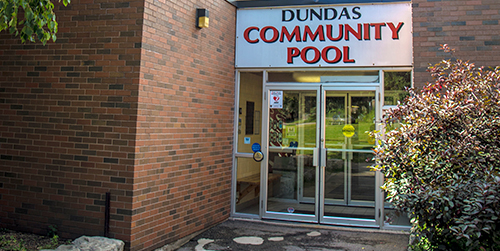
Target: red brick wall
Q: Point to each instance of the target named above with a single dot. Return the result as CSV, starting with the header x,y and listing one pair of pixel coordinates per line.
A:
x,y
68,114
469,26
139,107
185,121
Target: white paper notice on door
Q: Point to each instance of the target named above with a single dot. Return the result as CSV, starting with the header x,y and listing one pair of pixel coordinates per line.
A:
x,y
276,100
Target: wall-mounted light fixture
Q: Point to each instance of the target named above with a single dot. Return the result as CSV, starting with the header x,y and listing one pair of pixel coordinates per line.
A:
x,y
201,18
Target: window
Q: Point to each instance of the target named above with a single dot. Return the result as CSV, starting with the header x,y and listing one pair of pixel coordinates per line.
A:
x,y
395,86
324,76
249,111
249,118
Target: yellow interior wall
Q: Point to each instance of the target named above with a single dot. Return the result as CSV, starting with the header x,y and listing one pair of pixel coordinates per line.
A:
x,y
247,167
250,90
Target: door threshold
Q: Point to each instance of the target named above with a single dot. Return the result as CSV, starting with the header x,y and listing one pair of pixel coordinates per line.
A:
x,y
329,226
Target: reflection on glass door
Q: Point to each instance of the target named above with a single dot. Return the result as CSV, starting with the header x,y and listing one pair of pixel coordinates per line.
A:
x,y
318,156
293,155
349,185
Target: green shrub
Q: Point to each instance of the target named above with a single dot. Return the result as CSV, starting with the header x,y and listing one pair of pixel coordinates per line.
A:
x,y
12,244
442,163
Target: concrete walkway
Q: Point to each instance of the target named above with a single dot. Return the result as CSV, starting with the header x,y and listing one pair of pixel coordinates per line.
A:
x,y
241,235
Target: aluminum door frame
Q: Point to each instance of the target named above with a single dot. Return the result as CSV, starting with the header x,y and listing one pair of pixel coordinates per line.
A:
x,y
265,149
375,223
300,196
319,199
345,152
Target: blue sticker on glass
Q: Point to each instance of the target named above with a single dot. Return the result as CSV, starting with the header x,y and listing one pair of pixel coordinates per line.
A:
x,y
256,147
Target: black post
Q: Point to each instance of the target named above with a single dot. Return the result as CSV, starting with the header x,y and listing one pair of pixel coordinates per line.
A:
x,y
106,215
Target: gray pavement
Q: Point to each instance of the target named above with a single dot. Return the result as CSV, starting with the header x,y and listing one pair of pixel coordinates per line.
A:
x,y
241,235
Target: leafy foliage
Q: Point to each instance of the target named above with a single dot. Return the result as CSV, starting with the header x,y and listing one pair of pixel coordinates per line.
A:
x,y
52,231
397,80
18,241
442,165
54,243
11,244
38,19
395,84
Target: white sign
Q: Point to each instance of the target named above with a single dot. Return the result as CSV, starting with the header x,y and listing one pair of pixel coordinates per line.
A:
x,y
325,35
276,99
247,140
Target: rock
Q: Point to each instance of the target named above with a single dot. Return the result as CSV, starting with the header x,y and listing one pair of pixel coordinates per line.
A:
x,y
96,243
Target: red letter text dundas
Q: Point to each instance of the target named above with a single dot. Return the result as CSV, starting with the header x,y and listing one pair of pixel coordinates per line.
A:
x,y
328,33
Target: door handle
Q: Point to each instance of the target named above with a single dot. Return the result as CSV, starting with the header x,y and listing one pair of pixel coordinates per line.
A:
x,y
316,160
315,157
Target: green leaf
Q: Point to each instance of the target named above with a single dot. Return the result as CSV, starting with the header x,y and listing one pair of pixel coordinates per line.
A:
x,y
38,21
28,31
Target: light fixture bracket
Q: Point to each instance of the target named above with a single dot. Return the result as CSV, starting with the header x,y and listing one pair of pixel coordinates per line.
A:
x,y
202,20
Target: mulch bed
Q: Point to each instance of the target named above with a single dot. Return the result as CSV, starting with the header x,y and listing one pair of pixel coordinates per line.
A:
x,y
17,241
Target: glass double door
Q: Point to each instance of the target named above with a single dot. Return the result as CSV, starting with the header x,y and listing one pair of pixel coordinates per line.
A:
x,y
319,153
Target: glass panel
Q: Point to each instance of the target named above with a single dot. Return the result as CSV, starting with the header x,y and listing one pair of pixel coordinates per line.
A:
x,y
336,119
357,198
295,123
335,178
325,76
361,212
289,168
395,218
362,117
247,186
292,149
362,179
349,183
250,102
395,84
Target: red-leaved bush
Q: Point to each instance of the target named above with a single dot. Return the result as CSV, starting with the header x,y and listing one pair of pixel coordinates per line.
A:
x,y
442,164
